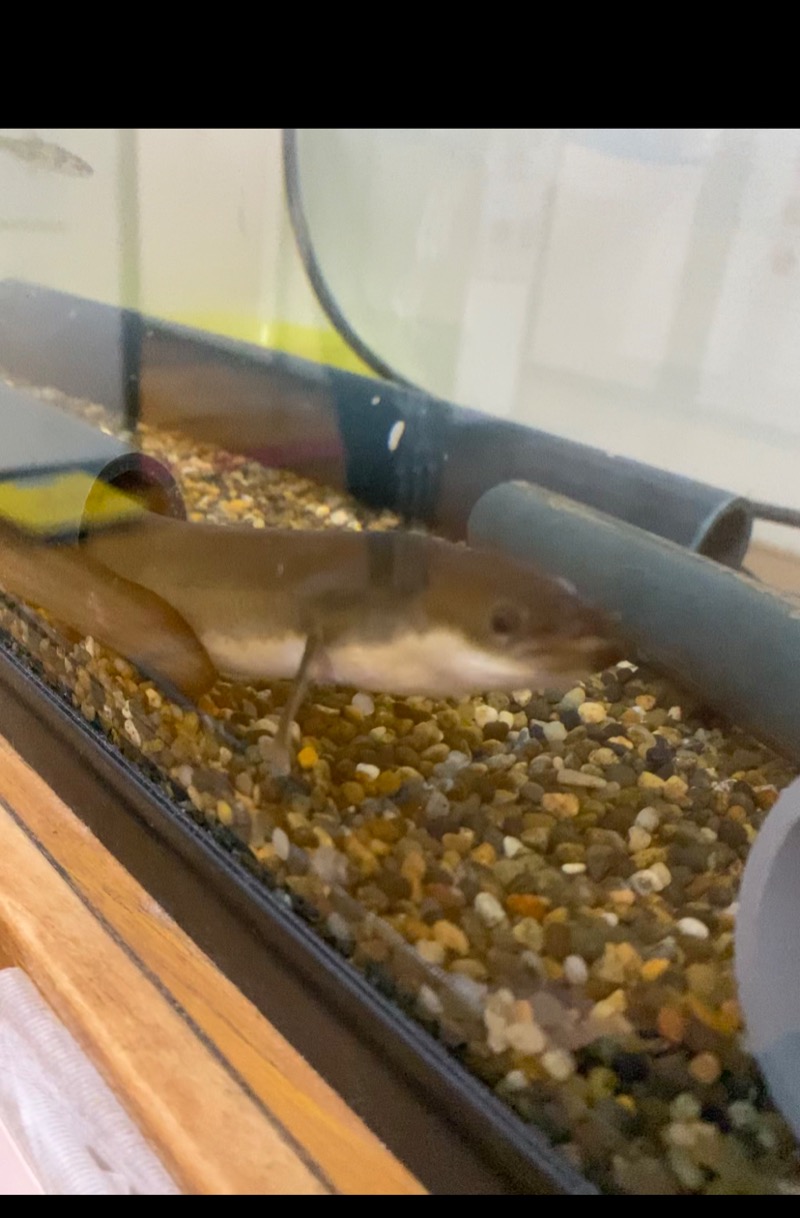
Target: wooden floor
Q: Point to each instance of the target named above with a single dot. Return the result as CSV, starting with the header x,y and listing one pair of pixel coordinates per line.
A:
x,y
226,1102
778,568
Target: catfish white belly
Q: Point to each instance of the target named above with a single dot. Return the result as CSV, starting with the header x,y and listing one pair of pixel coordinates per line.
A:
x,y
437,663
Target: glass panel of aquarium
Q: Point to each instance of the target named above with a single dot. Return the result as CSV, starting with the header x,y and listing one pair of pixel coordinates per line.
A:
x,y
403,523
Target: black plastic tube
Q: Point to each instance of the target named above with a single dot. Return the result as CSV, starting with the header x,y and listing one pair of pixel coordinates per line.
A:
x,y
271,405
726,637
316,276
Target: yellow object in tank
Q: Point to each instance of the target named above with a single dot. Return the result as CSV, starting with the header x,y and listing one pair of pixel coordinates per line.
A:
x,y
54,505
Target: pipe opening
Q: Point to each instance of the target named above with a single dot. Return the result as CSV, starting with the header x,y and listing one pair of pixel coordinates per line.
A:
x,y
149,482
727,538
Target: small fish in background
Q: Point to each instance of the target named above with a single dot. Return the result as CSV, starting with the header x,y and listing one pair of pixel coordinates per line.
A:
x,y
41,154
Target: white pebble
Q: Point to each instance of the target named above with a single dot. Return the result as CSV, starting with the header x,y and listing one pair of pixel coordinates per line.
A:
x,y
516,1080
611,919
675,713
268,724
363,703
575,970
662,872
512,846
573,868
664,875
685,1168
339,927
644,882
485,714
328,863
429,1001
681,1133
370,772
281,843
559,1064
489,909
132,732
692,927
592,712
577,778
185,775
438,805
638,838
468,989
506,717
496,1028
647,819
526,1038
555,731
522,696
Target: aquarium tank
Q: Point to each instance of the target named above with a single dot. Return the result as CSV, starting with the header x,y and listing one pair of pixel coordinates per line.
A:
x,y
399,528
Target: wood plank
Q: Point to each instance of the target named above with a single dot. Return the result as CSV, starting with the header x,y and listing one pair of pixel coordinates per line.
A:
x,y
778,568
178,1092
135,1035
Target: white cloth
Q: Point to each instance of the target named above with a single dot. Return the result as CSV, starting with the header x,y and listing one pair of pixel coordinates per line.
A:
x,y
65,1120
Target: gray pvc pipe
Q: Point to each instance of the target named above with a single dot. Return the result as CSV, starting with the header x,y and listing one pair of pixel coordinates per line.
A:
x,y
482,452
768,952
738,645
727,637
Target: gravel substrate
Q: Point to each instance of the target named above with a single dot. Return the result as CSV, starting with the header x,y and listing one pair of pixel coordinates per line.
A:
x,y
548,882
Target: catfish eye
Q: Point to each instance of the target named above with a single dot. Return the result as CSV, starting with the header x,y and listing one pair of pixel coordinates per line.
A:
x,y
506,621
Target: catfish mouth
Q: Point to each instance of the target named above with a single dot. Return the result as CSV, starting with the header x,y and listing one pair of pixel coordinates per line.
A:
x,y
577,657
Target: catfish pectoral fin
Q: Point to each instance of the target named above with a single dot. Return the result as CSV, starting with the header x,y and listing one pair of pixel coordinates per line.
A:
x,y
163,646
279,752
151,634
